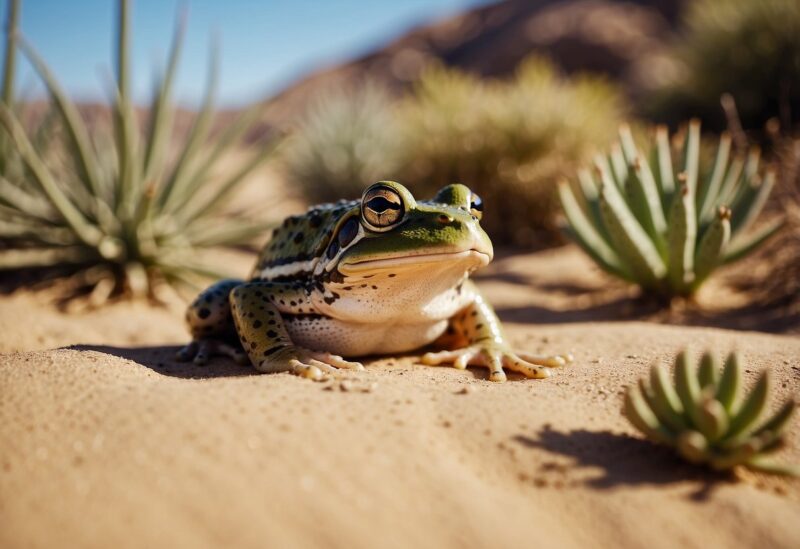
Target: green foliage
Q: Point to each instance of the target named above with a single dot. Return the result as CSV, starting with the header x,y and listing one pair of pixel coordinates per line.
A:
x,y
749,48
667,233
122,209
507,140
510,141
704,417
345,142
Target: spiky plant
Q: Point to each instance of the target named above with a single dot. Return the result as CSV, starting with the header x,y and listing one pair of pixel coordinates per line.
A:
x,y
704,417
640,222
125,212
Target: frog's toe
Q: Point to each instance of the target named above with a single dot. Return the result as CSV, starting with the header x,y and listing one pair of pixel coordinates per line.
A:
x,y
554,361
199,351
459,358
528,369
187,352
204,350
336,361
308,371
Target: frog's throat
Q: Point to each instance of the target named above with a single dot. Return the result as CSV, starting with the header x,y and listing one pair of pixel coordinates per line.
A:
x,y
479,259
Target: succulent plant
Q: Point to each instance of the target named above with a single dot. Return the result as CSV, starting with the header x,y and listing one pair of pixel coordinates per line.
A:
x,y
117,209
704,417
667,233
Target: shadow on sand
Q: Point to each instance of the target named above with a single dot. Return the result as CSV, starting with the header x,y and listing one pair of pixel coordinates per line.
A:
x,y
161,359
623,460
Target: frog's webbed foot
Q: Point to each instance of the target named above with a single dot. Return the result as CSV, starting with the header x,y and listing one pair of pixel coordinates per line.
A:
x,y
200,350
496,357
313,364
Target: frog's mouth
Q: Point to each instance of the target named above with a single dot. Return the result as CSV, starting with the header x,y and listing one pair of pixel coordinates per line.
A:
x,y
470,258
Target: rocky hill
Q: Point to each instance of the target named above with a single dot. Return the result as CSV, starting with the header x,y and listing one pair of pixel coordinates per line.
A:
x,y
624,40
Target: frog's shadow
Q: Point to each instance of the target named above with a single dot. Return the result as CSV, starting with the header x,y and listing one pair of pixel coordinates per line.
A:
x,y
161,359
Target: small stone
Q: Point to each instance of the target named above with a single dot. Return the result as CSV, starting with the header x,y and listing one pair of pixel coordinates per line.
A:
x,y
346,386
467,390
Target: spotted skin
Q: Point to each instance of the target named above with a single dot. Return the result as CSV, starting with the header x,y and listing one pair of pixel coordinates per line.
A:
x,y
386,274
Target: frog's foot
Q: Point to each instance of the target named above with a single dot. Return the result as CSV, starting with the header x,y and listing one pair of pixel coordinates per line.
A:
x,y
307,363
200,350
495,358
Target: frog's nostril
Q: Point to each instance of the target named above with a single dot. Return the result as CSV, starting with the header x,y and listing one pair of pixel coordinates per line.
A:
x,y
445,219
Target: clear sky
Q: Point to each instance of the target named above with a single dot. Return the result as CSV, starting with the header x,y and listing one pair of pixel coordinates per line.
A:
x,y
264,44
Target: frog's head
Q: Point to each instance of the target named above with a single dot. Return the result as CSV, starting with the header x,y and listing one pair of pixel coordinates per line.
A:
x,y
390,232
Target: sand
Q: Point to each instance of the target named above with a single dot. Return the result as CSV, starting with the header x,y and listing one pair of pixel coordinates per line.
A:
x,y
106,441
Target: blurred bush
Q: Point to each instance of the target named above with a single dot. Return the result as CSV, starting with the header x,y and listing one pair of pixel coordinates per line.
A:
x,y
346,141
748,48
508,140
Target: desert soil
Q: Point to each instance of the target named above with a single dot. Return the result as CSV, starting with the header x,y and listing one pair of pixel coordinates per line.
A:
x,y
106,441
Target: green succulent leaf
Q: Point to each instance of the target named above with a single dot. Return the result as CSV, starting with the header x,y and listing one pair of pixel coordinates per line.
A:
x,y
708,373
701,419
729,383
751,408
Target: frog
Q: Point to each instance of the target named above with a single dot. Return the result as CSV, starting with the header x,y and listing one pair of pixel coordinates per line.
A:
x,y
382,275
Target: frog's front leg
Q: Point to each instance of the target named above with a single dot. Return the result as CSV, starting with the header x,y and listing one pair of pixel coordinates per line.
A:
x,y
478,326
263,334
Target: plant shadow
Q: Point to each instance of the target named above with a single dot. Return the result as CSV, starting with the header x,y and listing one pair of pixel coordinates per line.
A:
x,y
623,460
161,359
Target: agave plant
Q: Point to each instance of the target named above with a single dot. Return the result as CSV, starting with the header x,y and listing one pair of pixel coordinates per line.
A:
x,y
704,417
124,212
642,223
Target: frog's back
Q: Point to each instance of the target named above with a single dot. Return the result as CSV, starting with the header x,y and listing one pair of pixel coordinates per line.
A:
x,y
299,241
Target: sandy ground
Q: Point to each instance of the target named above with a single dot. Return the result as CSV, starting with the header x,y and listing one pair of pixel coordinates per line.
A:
x,y
106,441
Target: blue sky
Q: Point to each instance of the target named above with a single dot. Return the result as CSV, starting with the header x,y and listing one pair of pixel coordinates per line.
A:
x,y
264,44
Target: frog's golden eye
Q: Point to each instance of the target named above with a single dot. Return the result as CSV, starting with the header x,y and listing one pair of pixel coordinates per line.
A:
x,y
476,206
382,207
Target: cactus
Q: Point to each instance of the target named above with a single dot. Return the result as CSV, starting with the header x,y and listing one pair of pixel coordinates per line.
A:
x,y
640,222
704,418
117,210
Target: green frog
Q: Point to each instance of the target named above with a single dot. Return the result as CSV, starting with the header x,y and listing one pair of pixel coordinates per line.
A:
x,y
382,275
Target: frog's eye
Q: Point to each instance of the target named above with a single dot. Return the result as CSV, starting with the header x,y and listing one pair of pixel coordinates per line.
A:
x,y
382,207
476,206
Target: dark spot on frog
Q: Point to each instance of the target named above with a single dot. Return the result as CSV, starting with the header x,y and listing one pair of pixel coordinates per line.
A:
x,y
315,220
272,333
203,313
257,324
348,232
333,249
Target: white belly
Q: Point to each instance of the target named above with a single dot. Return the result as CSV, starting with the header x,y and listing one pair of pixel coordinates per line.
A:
x,y
351,339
